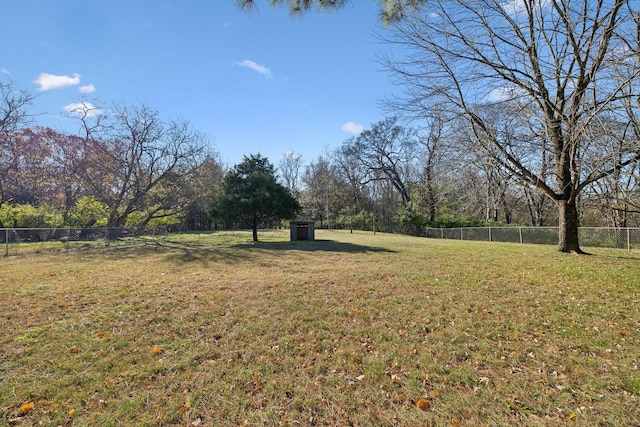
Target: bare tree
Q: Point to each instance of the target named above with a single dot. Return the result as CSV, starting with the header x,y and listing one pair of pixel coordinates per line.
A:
x,y
613,196
617,195
354,175
551,61
204,184
13,104
386,152
435,148
13,116
322,198
289,169
137,163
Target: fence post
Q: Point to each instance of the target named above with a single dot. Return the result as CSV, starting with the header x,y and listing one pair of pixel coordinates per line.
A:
x,y
6,241
628,241
490,237
520,232
68,237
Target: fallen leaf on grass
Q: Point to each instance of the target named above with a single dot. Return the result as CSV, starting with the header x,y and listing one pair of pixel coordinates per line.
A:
x,y
257,382
423,404
27,407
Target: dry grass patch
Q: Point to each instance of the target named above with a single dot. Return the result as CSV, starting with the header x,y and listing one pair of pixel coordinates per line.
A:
x,y
356,329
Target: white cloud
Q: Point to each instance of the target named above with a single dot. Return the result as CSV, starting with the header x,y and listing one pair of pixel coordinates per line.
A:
x,y
504,93
255,67
4,71
353,128
86,109
518,7
51,81
499,94
513,7
87,88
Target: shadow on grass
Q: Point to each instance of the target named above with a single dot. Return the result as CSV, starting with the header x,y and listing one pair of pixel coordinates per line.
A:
x,y
313,246
172,250
633,257
193,251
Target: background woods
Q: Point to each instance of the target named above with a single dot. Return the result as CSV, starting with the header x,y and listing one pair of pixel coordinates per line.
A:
x,y
538,128
133,168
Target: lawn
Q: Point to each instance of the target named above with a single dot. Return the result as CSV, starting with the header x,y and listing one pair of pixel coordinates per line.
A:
x,y
350,330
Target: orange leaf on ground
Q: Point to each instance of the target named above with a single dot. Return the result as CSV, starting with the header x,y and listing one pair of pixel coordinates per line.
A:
x,y
423,404
27,407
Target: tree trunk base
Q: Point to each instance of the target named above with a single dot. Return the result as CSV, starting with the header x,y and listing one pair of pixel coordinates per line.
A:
x,y
572,251
568,221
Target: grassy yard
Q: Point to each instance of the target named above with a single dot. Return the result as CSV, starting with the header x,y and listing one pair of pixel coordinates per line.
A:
x,y
352,329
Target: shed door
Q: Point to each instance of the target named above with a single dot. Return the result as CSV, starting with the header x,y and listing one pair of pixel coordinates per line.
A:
x,y
302,231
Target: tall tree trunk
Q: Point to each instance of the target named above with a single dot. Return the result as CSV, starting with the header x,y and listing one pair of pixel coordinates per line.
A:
x,y
431,198
568,227
254,227
431,191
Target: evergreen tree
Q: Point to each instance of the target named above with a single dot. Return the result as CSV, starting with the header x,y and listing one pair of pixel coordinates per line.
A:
x,y
252,195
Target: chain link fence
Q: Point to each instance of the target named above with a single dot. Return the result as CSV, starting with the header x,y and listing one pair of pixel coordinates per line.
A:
x,y
602,237
22,241
15,241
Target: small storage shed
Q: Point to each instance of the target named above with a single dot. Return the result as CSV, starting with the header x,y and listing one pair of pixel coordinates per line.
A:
x,y
302,230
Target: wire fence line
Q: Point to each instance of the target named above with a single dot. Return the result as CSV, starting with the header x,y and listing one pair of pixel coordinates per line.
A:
x,y
16,241
603,237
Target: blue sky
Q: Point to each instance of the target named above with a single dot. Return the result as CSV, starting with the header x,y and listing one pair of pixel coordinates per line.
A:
x,y
256,82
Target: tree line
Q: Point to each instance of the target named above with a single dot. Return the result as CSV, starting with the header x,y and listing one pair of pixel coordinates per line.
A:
x,y
546,93
127,167
133,168
402,179
522,112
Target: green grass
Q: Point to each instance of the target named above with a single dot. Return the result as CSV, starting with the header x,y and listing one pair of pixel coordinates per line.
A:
x,y
352,329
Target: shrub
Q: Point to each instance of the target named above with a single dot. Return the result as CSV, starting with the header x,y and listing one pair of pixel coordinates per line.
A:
x,y
88,212
411,222
29,216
